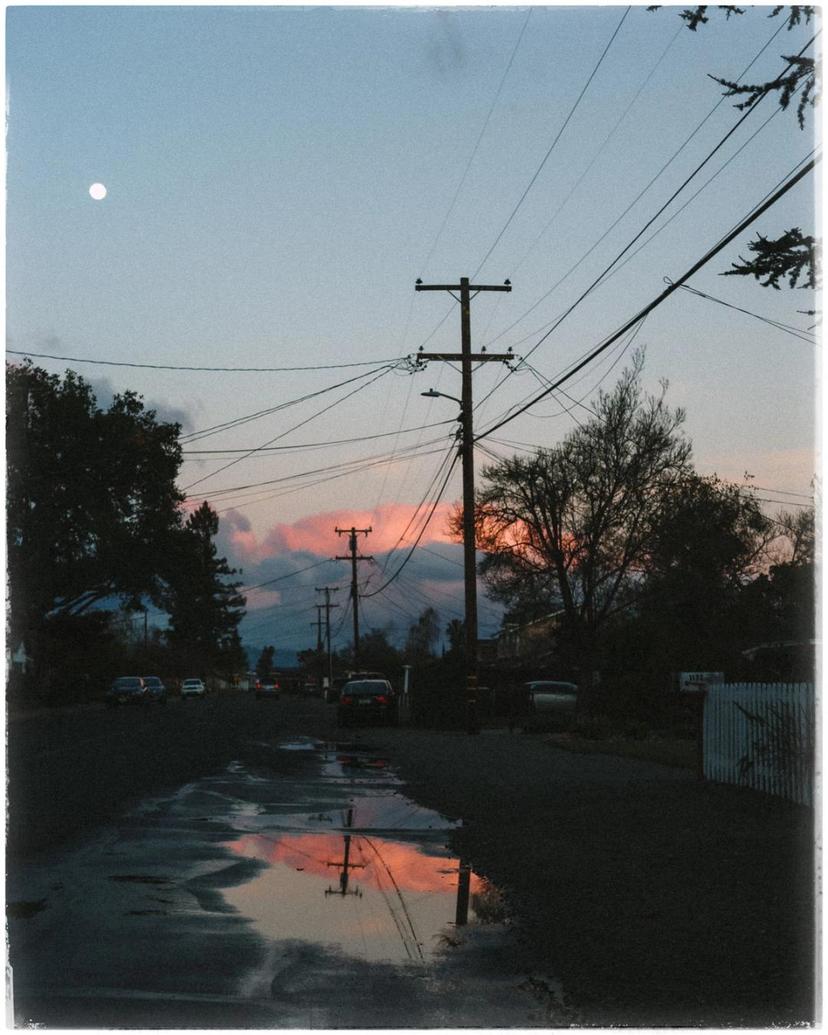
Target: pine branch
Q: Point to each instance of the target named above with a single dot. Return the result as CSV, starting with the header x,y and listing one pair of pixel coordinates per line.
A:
x,y
803,74
786,258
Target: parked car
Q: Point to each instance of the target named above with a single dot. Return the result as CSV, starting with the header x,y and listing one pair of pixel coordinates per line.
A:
x,y
367,700
332,693
127,690
193,688
552,699
268,687
156,688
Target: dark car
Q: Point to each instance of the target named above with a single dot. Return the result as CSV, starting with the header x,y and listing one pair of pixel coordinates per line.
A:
x,y
156,688
331,693
268,687
127,690
367,700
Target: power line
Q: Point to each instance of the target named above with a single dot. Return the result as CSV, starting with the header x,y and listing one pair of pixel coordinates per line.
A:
x,y
353,466
319,481
281,578
317,445
795,331
650,222
407,558
220,370
637,198
754,215
246,418
295,427
572,111
597,154
479,138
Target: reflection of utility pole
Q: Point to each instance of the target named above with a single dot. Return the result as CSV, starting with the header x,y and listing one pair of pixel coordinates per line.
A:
x,y
354,557
327,590
465,358
461,915
346,865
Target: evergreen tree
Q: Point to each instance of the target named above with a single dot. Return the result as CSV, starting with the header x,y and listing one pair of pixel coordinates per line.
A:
x,y
205,610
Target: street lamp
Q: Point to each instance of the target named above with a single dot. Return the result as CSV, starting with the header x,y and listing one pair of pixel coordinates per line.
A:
x,y
469,551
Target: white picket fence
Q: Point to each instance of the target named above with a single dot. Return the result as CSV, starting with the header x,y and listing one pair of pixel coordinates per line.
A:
x,y
762,735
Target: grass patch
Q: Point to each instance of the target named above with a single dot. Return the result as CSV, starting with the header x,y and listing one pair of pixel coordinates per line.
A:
x,y
663,750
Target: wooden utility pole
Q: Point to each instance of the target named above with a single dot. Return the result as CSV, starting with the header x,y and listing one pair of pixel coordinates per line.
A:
x,y
327,590
466,356
353,556
320,667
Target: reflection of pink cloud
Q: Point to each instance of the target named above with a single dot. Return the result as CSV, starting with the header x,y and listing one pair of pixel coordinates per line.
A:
x,y
375,866
316,533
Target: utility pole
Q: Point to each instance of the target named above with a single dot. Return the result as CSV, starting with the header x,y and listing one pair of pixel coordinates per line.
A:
x,y
466,356
320,667
327,590
353,556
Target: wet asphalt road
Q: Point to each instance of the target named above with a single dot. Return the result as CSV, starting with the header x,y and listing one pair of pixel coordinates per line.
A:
x,y
293,886
654,899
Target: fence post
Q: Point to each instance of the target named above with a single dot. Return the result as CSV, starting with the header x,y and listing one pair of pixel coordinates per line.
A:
x,y
699,698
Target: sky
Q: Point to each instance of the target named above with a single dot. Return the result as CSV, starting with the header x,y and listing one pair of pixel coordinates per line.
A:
x,y
278,178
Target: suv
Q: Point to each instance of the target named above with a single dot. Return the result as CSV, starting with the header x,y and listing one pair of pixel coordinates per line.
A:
x,y
367,700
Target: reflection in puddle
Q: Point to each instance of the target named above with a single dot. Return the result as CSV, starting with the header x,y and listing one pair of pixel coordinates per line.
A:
x,y
376,898
371,877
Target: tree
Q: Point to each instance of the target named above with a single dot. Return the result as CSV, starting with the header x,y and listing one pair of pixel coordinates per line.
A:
x,y
791,254
582,514
264,666
422,636
378,654
204,609
709,542
92,504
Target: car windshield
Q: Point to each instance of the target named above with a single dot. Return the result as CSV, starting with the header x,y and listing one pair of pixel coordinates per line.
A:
x,y
554,688
192,682
152,681
366,687
127,683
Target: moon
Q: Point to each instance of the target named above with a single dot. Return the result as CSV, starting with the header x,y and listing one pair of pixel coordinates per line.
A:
x,y
97,191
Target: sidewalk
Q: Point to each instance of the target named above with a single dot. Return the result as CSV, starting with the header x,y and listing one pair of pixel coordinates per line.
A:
x,y
656,898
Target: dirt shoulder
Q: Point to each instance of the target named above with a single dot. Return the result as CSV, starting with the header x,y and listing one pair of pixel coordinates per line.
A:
x,y
656,899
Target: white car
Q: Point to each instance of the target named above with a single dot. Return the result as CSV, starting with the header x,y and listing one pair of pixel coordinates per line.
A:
x,y
193,688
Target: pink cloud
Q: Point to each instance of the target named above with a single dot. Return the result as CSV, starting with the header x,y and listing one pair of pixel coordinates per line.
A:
x,y
316,533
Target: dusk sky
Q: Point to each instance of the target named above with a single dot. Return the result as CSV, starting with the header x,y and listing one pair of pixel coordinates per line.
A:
x,y
277,178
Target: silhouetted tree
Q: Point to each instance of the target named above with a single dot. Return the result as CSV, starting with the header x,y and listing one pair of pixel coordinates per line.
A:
x,y
204,609
584,512
92,505
709,542
422,636
264,666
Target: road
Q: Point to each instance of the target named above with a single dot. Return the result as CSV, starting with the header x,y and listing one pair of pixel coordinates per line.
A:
x,y
290,884
635,894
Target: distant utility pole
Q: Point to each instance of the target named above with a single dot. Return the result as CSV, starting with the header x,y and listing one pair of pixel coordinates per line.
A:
x,y
353,556
327,590
320,670
466,356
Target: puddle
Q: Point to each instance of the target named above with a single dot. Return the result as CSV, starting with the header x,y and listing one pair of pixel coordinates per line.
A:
x,y
306,883
372,878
